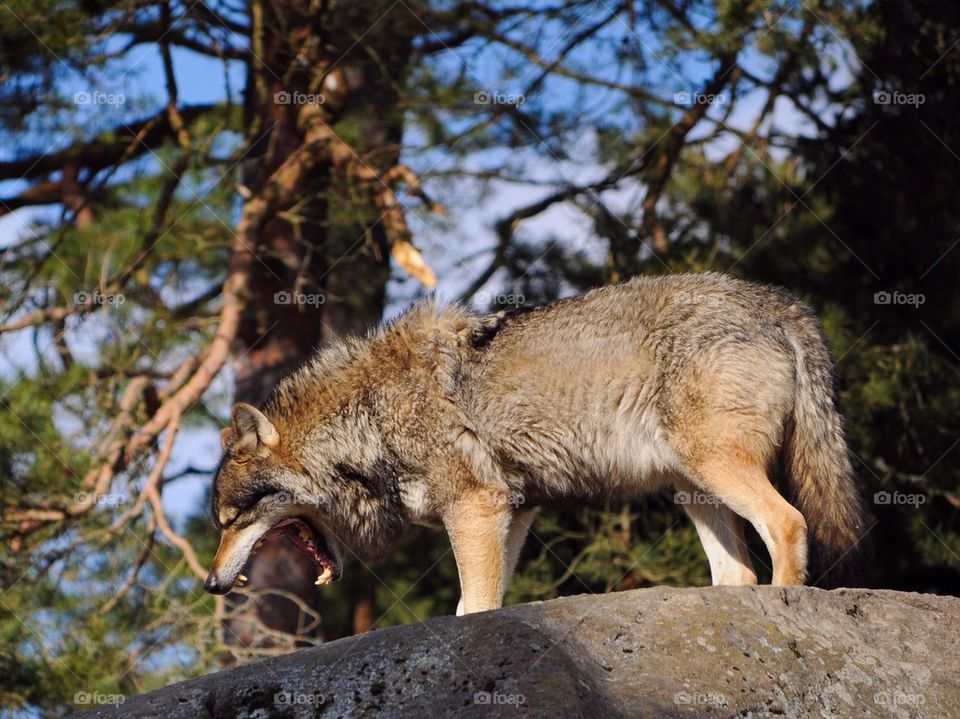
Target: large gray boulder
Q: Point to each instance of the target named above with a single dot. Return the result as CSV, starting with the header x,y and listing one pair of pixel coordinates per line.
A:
x,y
719,652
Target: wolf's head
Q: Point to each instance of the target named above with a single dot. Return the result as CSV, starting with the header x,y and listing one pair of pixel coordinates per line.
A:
x,y
323,480
261,489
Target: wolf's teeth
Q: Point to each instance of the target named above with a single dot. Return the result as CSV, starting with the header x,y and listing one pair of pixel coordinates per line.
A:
x,y
325,577
241,579
303,534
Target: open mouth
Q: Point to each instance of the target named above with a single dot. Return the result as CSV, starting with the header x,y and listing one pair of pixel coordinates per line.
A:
x,y
309,540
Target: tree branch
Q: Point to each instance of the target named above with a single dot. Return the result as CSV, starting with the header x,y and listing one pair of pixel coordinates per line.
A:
x,y
124,142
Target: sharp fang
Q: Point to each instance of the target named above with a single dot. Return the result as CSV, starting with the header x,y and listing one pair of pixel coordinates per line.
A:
x,y
325,577
303,534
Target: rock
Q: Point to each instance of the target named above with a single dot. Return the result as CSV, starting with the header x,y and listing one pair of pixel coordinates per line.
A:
x,y
715,652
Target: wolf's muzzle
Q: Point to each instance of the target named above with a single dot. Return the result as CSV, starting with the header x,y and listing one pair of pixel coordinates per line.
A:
x,y
213,586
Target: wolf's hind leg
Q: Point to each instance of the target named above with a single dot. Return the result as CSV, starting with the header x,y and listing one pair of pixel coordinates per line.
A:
x,y
721,534
742,484
479,527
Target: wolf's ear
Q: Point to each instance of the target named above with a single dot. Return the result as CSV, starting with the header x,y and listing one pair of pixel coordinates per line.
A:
x,y
251,429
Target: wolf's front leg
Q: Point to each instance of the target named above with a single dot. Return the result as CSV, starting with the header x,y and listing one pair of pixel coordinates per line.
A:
x,y
479,527
519,526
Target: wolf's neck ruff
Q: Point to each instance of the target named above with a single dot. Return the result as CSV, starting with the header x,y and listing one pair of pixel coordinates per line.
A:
x,y
442,416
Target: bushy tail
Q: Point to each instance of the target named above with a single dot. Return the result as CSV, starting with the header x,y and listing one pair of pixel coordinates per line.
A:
x,y
819,476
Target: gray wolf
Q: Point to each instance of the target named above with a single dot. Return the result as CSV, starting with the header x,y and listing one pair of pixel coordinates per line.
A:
x,y
710,384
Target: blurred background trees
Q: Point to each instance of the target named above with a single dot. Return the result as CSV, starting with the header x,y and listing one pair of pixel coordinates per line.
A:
x,y
194,194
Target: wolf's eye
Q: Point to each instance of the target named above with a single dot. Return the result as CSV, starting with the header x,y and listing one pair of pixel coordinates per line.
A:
x,y
245,503
249,501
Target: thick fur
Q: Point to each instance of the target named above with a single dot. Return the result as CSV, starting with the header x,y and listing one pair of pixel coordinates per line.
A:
x,y
445,416
817,466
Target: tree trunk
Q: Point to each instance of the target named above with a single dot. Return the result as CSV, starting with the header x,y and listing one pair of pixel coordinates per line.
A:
x,y
315,275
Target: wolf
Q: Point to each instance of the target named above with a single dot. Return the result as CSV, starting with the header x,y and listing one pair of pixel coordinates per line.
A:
x,y
446,417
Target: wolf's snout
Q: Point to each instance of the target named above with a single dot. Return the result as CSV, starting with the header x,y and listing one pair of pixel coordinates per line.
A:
x,y
213,585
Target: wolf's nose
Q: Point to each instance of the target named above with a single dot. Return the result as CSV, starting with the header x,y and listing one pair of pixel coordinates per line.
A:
x,y
213,586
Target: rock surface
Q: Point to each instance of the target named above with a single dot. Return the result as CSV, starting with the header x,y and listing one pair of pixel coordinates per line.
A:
x,y
716,652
